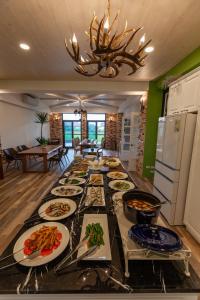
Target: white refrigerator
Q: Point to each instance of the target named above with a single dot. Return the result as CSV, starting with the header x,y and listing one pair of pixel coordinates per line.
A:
x,y
173,158
192,208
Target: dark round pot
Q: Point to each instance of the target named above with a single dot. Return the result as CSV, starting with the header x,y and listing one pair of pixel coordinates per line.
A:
x,y
141,216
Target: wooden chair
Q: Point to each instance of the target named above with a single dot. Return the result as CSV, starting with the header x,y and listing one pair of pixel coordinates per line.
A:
x,y
103,143
65,152
75,144
99,152
11,156
57,159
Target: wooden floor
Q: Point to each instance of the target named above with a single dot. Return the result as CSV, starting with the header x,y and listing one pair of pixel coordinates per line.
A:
x,y
21,193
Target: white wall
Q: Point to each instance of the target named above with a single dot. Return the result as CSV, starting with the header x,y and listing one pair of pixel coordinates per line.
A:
x,y
17,122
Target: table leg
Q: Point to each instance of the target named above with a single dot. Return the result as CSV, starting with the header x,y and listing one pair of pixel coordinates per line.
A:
x,y
45,163
24,164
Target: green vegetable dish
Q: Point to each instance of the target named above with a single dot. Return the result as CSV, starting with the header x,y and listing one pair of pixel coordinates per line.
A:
x,y
95,234
72,181
122,185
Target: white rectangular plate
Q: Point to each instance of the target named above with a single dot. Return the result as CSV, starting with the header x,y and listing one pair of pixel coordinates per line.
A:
x,y
92,179
89,198
104,252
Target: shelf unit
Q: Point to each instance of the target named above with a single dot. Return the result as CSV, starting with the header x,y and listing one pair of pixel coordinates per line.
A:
x,y
129,142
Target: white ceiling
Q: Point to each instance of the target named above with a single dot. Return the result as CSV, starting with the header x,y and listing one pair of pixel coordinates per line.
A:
x,y
173,26
58,101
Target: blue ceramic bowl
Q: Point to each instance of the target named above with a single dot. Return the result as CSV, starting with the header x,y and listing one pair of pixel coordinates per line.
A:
x,y
155,237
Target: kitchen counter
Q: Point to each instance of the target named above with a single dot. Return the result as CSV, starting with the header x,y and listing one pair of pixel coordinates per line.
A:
x,y
148,279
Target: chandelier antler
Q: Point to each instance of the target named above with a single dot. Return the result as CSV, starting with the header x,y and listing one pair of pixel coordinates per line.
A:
x,y
108,50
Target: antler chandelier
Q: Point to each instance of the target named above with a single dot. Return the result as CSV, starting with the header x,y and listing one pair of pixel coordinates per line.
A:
x,y
81,109
108,50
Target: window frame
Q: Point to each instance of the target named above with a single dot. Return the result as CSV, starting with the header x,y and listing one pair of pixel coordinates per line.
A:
x,y
96,128
72,120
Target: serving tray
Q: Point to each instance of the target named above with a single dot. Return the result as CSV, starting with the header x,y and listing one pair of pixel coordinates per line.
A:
x,y
133,251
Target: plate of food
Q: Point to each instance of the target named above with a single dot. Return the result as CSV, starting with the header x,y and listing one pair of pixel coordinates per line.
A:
x,y
121,185
96,179
67,190
117,175
50,239
57,209
95,193
72,181
112,162
90,157
80,173
117,198
95,229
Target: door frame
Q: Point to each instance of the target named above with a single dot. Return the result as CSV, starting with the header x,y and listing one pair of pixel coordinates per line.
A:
x,y
72,121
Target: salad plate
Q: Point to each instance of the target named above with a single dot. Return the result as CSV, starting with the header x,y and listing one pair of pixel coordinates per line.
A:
x,y
57,209
80,173
117,175
72,180
32,239
112,162
103,252
67,190
121,185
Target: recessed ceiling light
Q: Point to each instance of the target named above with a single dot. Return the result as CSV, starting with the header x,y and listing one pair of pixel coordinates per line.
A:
x,y
24,46
50,94
149,49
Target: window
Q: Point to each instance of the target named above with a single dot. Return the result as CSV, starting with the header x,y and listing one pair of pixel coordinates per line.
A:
x,y
71,128
96,127
71,117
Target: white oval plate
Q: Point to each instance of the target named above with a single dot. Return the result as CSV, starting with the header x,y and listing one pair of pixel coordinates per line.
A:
x,y
63,181
57,190
117,197
113,175
45,216
76,174
113,182
40,260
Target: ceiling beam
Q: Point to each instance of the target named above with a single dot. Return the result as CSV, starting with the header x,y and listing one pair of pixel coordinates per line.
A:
x,y
63,103
94,102
101,87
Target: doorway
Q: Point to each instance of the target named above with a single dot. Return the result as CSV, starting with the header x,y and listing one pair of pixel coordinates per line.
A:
x,y
71,128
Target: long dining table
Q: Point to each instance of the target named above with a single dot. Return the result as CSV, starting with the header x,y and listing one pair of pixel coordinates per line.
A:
x,y
44,152
95,279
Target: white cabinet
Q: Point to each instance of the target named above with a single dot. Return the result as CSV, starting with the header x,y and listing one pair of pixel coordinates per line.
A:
x,y
129,142
191,92
192,216
175,98
184,95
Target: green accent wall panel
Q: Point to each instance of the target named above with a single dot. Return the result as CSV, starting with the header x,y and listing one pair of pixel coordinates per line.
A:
x,y
154,106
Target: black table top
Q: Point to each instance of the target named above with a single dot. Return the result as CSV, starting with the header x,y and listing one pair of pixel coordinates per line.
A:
x,y
97,277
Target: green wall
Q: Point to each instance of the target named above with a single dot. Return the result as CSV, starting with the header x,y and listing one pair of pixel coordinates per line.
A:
x,y
154,108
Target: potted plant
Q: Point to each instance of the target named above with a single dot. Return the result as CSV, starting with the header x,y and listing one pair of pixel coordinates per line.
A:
x,y
41,118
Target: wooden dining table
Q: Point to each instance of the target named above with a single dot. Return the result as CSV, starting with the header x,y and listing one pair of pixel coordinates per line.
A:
x,y
86,145
44,152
